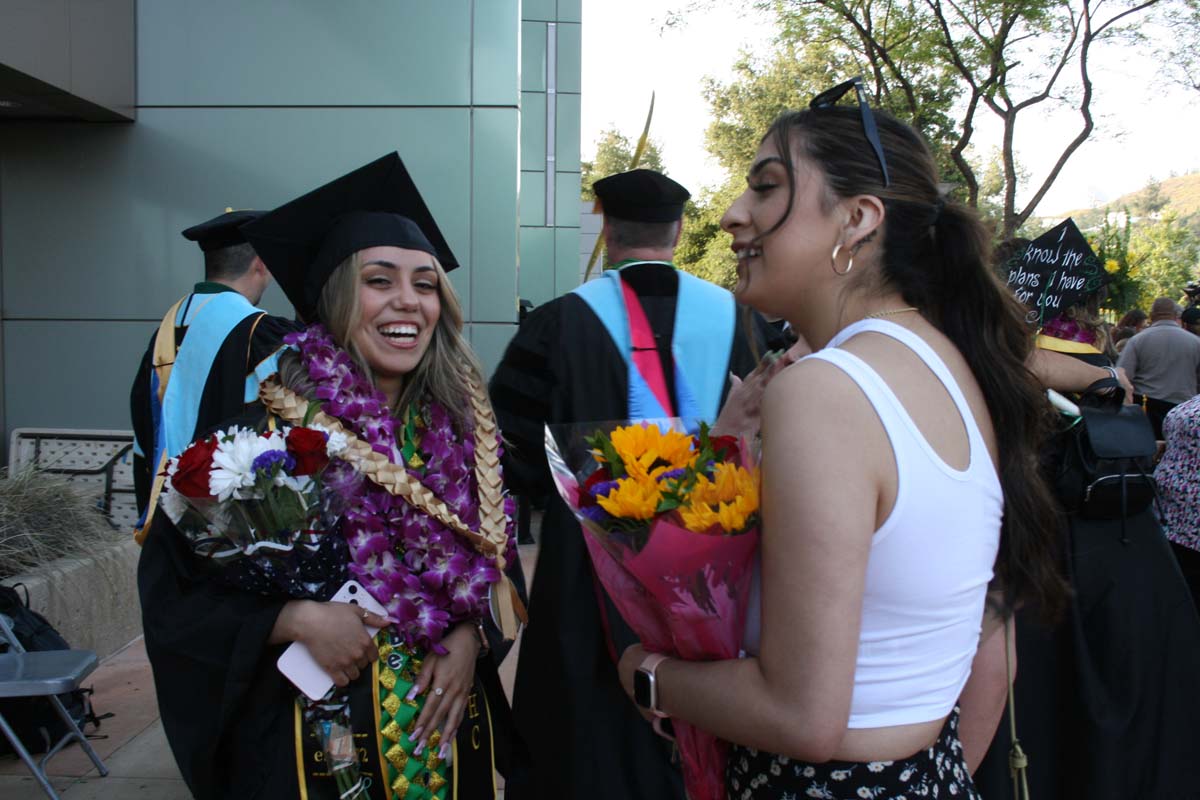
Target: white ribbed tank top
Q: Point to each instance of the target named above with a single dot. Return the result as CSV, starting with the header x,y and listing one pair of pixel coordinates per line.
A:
x,y
930,561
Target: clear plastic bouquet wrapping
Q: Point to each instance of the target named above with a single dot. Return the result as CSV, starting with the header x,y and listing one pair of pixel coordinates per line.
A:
x,y
250,503
671,522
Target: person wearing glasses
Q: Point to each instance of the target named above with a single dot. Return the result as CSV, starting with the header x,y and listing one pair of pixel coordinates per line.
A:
x,y
889,501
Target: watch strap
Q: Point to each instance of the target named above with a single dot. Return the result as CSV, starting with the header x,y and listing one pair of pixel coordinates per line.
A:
x,y
649,666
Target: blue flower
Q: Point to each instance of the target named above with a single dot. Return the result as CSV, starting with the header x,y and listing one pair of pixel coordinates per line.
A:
x,y
266,461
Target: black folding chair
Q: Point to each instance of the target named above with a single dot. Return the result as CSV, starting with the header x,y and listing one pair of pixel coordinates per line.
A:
x,y
44,674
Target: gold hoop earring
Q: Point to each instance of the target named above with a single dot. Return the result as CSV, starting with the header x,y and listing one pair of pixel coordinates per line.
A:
x,y
833,261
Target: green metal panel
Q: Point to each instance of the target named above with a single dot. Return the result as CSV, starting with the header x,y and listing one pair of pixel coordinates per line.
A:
x,y
494,65
533,130
122,193
494,215
570,48
533,198
533,56
489,341
566,259
539,9
570,10
566,199
71,374
537,264
304,52
567,133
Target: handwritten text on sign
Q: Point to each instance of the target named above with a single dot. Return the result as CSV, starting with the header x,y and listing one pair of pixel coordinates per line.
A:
x,y
1049,276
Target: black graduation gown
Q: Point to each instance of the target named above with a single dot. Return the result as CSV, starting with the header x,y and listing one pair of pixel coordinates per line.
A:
x,y
1108,699
251,340
227,711
584,736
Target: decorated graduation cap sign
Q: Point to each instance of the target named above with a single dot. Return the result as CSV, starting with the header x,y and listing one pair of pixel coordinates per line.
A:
x,y
221,231
303,241
1055,271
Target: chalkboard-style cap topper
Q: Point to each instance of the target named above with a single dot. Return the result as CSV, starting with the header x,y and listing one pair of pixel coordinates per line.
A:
x,y
1055,271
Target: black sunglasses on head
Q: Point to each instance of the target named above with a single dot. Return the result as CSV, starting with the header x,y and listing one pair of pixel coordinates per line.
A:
x,y
827,98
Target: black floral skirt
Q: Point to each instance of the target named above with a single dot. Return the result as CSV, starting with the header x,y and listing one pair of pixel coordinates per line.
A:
x,y
938,771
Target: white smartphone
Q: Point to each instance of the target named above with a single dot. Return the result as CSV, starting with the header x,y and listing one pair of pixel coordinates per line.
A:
x,y
297,663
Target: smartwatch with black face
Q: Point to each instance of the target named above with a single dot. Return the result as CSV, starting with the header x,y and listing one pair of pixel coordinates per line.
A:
x,y
645,684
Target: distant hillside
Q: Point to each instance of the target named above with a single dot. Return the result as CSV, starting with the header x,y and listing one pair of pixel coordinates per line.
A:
x,y
1179,194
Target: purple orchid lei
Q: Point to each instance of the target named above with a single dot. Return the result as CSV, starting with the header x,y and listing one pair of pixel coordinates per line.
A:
x,y
426,576
1063,327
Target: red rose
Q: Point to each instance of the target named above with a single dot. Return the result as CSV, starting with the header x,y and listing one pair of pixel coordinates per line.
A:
x,y
195,464
586,498
726,447
307,446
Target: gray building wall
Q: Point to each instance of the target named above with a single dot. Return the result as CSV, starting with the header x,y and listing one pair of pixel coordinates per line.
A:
x,y
246,105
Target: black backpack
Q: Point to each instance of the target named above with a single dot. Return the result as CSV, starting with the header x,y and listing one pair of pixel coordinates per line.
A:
x,y
34,719
1108,464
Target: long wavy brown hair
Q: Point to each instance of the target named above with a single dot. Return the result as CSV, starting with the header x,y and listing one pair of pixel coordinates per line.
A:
x,y
446,371
937,254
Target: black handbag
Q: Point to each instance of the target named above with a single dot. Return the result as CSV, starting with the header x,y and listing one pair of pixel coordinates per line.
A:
x,y
1106,470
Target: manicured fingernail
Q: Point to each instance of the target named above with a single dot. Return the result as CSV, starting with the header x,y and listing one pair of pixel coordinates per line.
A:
x,y
416,734
417,750
444,751
413,692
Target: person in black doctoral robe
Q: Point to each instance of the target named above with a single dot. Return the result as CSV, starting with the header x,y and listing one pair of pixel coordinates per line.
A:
x,y
187,384
1108,696
585,738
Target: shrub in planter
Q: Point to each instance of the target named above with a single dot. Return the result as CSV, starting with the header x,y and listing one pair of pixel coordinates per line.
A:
x,y
42,518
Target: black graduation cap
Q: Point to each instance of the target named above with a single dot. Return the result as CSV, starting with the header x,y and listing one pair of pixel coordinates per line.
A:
x,y
221,231
304,240
1055,271
641,195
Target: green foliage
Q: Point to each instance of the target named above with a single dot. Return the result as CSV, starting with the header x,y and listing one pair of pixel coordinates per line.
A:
x,y
1164,253
614,153
703,248
941,66
1111,243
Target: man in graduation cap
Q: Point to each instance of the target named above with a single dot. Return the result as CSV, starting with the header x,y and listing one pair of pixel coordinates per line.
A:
x,y
194,373
643,341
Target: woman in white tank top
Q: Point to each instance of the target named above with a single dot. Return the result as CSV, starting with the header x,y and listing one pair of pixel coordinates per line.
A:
x,y
889,500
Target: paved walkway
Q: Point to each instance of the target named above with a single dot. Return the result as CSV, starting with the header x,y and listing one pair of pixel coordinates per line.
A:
x,y
134,749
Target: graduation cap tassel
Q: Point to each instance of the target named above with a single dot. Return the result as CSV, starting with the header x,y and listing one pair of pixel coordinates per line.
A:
x,y
638,152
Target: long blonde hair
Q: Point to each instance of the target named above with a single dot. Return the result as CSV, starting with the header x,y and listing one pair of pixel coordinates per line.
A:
x,y
444,374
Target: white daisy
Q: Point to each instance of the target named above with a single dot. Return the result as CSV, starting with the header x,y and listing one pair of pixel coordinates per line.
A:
x,y
233,461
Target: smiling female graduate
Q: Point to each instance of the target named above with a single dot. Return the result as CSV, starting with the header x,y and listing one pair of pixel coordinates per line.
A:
x,y
364,263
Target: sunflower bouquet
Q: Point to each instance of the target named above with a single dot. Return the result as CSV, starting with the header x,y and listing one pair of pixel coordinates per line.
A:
x,y
670,520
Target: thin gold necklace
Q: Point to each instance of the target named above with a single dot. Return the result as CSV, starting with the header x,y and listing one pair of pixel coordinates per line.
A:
x,y
890,312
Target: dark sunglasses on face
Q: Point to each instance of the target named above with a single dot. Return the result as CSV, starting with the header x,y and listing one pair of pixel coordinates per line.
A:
x,y
827,98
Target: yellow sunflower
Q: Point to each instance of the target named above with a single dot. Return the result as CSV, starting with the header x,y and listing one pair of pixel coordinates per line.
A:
x,y
634,442
733,516
632,499
698,517
729,499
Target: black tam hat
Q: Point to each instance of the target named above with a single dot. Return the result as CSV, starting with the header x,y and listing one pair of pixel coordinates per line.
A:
x,y
641,195
302,242
222,231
